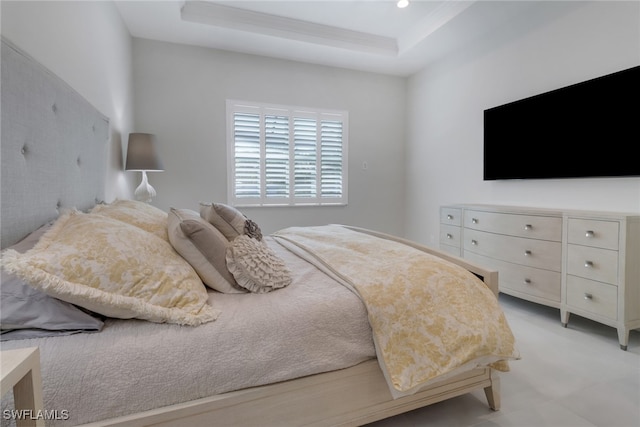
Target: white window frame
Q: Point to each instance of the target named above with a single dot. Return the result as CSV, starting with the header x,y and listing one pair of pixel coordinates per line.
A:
x,y
262,110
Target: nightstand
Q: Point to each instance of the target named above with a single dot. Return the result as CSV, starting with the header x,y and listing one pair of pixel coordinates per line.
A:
x,y
20,370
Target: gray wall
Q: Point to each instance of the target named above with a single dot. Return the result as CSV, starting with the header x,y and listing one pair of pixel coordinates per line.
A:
x,y
180,95
554,45
88,46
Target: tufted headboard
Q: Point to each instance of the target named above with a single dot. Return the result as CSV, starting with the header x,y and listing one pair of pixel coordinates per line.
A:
x,y
53,146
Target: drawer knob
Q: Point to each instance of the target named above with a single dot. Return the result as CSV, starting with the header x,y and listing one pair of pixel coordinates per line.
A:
x,y
474,220
449,236
449,217
589,233
528,227
474,242
588,296
527,253
588,264
527,281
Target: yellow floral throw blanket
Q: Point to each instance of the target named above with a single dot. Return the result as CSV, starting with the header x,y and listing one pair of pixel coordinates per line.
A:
x,y
430,318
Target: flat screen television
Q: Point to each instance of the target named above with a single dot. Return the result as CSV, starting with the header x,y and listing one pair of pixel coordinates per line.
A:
x,y
589,129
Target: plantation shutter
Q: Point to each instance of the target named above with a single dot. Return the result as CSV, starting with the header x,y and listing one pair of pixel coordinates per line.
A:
x,y
331,158
285,156
276,156
305,157
246,131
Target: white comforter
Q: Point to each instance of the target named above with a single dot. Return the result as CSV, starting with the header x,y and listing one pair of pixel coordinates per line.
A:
x,y
314,325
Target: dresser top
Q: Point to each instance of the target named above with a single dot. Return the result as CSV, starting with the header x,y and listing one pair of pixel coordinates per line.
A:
x,y
527,210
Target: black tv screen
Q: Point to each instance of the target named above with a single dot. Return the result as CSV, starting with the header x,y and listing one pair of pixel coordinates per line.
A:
x,y
589,129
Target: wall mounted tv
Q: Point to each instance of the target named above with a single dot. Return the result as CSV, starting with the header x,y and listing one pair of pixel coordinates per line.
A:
x,y
589,129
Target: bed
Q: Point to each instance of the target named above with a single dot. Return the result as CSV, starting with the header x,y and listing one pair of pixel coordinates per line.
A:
x,y
308,351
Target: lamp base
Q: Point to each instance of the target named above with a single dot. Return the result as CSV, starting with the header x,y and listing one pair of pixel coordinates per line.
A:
x,y
145,192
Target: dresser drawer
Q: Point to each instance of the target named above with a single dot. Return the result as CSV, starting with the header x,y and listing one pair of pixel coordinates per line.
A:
x,y
596,233
529,226
593,263
594,297
518,250
453,250
528,280
450,235
451,216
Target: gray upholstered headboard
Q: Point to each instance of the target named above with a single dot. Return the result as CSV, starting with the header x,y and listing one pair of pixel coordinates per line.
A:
x,y
54,146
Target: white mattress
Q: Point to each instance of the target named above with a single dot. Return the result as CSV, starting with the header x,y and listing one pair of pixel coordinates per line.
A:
x,y
314,325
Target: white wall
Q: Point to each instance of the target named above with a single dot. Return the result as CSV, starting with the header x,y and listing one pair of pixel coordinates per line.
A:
x,y
180,95
554,46
87,45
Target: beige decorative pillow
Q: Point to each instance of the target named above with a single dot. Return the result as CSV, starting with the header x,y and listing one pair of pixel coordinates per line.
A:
x,y
255,266
229,220
140,214
204,247
115,269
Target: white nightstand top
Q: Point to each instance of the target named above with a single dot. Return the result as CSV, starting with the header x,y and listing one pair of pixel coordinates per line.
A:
x,y
20,369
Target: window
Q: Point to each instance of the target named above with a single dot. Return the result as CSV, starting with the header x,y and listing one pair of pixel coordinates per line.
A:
x,y
279,155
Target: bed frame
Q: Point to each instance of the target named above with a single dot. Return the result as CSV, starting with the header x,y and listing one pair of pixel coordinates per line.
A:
x,y
349,397
53,156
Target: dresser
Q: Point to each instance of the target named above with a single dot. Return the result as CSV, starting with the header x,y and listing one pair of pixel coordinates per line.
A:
x,y
581,262
451,230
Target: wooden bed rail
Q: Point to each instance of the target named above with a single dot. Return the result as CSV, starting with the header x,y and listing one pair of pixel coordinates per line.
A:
x,y
348,397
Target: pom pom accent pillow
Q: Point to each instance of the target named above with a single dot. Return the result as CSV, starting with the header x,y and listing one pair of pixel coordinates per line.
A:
x,y
139,214
230,221
204,247
255,266
115,269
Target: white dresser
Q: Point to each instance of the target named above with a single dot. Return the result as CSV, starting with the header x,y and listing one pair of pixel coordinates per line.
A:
x,y
581,262
451,230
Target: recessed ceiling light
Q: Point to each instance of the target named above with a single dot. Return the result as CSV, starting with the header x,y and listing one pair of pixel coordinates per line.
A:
x,y
403,3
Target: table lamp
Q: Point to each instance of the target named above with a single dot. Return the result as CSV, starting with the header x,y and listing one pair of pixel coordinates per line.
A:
x,y
142,156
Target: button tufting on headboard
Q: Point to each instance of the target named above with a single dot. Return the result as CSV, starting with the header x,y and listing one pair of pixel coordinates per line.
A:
x,y
38,148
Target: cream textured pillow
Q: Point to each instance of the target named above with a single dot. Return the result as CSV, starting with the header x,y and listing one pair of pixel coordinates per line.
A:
x,y
26,312
230,221
204,247
140,214
115,269
255,266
